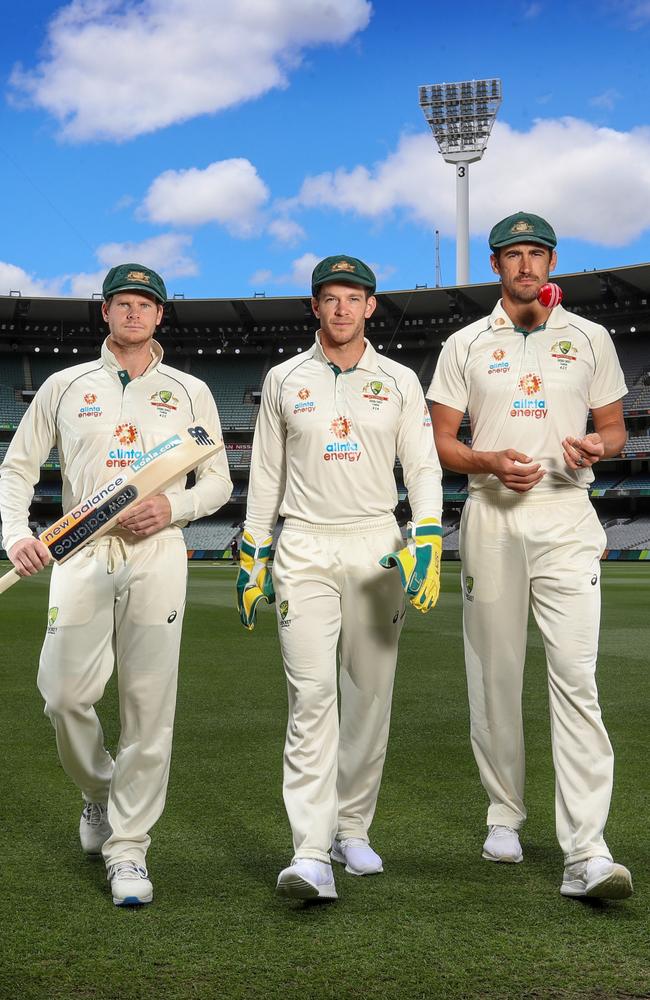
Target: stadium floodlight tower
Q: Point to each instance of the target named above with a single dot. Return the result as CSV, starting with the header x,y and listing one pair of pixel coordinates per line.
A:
x,y
461,116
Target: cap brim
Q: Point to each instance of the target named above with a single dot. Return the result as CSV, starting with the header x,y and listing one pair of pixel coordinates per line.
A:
x,y
525,239
139,288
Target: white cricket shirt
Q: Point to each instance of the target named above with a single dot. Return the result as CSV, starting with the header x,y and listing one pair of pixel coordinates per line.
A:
x,y
528,392
101,422
325,443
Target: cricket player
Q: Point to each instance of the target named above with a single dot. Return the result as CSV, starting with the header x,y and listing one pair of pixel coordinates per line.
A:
x,y
121,599
529,377
332,421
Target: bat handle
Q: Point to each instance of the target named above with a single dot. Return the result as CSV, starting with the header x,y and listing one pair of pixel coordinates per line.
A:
x,y
8,580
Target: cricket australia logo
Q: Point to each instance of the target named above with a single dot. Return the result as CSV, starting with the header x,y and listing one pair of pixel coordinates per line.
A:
x,y
564,353
164,401
283,609
376,392
52,615
469,587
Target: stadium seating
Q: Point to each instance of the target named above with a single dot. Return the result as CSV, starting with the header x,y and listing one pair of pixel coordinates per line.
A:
x,y
629,533
210,533
232,380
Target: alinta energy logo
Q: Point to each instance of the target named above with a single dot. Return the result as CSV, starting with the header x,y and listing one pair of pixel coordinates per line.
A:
x,y
90,409
306,404
498,366
531,406
121,458
342,450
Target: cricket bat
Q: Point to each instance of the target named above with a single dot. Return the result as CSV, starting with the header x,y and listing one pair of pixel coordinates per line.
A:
x,y
152,473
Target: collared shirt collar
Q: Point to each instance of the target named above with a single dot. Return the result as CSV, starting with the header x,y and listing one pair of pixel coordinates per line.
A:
x,y
110,361
499,319
368,362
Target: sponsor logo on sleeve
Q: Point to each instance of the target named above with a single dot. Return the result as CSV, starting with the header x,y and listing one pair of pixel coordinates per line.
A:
x,y
469,587
52,615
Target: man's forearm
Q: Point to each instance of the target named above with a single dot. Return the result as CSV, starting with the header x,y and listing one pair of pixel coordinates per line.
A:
x,y
459,457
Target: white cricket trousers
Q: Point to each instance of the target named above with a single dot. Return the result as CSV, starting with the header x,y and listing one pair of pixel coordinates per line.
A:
x,y
332,595
121,603
545,548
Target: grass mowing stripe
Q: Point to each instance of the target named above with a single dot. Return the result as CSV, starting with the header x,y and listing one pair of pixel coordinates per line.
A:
x,y
439,923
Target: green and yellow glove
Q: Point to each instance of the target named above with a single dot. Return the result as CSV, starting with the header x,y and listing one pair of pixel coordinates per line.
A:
x,y
419,563
254,581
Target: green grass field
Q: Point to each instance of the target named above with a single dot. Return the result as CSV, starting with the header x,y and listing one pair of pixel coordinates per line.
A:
x,y
439,923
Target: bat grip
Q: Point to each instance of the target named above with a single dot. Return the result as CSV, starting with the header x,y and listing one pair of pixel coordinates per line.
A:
x,y
8,580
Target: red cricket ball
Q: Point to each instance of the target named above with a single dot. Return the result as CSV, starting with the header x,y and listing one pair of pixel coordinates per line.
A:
x,y
549,295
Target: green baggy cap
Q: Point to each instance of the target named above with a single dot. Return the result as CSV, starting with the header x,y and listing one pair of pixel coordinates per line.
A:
x,y
136,278
523,227
342,268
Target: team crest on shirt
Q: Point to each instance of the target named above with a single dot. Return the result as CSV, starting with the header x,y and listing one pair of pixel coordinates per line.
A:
x,y
531,406
122,457
164,400
376,392
498,366
469,587
426,420
343,449
306,403
90,408
564,352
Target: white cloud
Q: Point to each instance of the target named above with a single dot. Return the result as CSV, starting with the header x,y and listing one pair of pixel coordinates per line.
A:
x,y
592,183
260,277
228,192
299,274
165,253
286,231
607,100
16,279
114,69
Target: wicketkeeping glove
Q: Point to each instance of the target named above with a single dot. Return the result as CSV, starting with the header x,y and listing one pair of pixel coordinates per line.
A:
x,y
419,563
254,582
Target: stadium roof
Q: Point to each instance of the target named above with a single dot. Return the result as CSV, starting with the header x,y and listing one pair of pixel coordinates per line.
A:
x,y
603,295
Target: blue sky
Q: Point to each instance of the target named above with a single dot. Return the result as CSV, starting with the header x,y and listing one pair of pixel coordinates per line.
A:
x,y
231,145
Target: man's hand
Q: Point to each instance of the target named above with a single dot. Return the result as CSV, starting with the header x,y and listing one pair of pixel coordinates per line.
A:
x,y
515,470
254,581
148,517
29,556
419,563
581,453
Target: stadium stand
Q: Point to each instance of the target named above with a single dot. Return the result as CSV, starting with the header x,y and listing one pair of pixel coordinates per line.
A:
x,y
202,336
629,534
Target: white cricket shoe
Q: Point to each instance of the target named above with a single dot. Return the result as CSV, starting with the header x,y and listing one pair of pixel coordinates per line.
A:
x,y
130,885
597,878
502,844
94,828
307,878
357,855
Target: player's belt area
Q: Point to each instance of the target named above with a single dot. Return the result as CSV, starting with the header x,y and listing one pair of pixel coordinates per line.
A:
x,y
152,473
